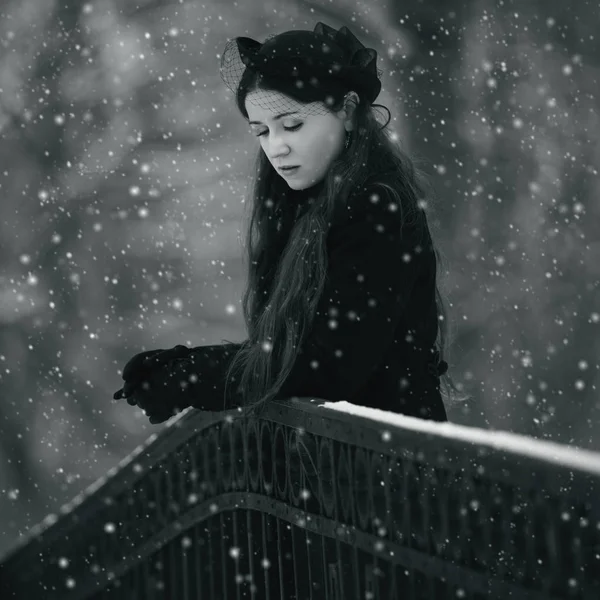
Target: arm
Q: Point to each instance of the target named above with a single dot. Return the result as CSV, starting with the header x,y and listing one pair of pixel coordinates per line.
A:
x,y
373,264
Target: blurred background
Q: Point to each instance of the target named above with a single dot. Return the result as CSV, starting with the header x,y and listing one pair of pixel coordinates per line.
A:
x,y
123,173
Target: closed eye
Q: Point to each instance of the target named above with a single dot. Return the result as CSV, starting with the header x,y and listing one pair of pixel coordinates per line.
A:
x,y
294,128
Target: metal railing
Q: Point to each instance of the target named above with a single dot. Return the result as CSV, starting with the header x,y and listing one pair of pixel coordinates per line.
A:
x,y
323,500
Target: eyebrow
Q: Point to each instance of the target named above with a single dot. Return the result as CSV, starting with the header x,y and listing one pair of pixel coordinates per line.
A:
x,y
275,118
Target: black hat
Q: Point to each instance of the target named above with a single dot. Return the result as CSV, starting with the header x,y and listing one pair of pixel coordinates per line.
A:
x,y
310,66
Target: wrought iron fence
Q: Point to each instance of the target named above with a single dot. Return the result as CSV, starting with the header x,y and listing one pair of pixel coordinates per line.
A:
x,y
310,501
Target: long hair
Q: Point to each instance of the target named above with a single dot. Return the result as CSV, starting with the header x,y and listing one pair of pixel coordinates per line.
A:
x,y
287,253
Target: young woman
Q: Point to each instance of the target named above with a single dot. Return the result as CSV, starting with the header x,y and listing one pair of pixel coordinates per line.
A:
x,y
341,300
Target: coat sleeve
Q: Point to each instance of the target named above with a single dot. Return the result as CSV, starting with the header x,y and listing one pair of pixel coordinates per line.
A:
x,y
211,364
374,261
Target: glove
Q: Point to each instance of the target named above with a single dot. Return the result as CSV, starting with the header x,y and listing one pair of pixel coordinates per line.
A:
x,y
167,390
143,364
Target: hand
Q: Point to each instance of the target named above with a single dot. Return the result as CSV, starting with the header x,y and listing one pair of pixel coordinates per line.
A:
x,y
142,364
168,390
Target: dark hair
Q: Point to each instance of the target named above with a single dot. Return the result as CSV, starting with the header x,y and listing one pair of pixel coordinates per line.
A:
x,y
287,269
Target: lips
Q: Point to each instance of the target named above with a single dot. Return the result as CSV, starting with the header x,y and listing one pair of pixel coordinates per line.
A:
x,y
288,168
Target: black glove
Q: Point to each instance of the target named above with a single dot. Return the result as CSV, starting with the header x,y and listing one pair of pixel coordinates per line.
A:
x,y
168,389
143,364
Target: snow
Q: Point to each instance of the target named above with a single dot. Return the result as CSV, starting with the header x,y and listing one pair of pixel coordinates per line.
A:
x,y
550,452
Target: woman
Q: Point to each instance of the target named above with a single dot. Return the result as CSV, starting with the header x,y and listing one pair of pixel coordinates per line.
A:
x,y
341,301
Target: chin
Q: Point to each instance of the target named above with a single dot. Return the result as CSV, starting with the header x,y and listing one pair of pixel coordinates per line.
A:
x,y
296,185
302,185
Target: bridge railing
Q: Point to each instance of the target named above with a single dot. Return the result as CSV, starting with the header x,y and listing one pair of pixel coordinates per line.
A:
x,y
323,500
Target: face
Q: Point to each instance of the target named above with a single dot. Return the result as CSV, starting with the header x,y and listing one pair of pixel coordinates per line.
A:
x,y
312,142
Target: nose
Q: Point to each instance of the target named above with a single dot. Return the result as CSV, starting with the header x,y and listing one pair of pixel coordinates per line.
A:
x,y
278,148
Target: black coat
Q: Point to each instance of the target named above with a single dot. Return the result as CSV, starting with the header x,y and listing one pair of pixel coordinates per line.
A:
x,y
372,340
